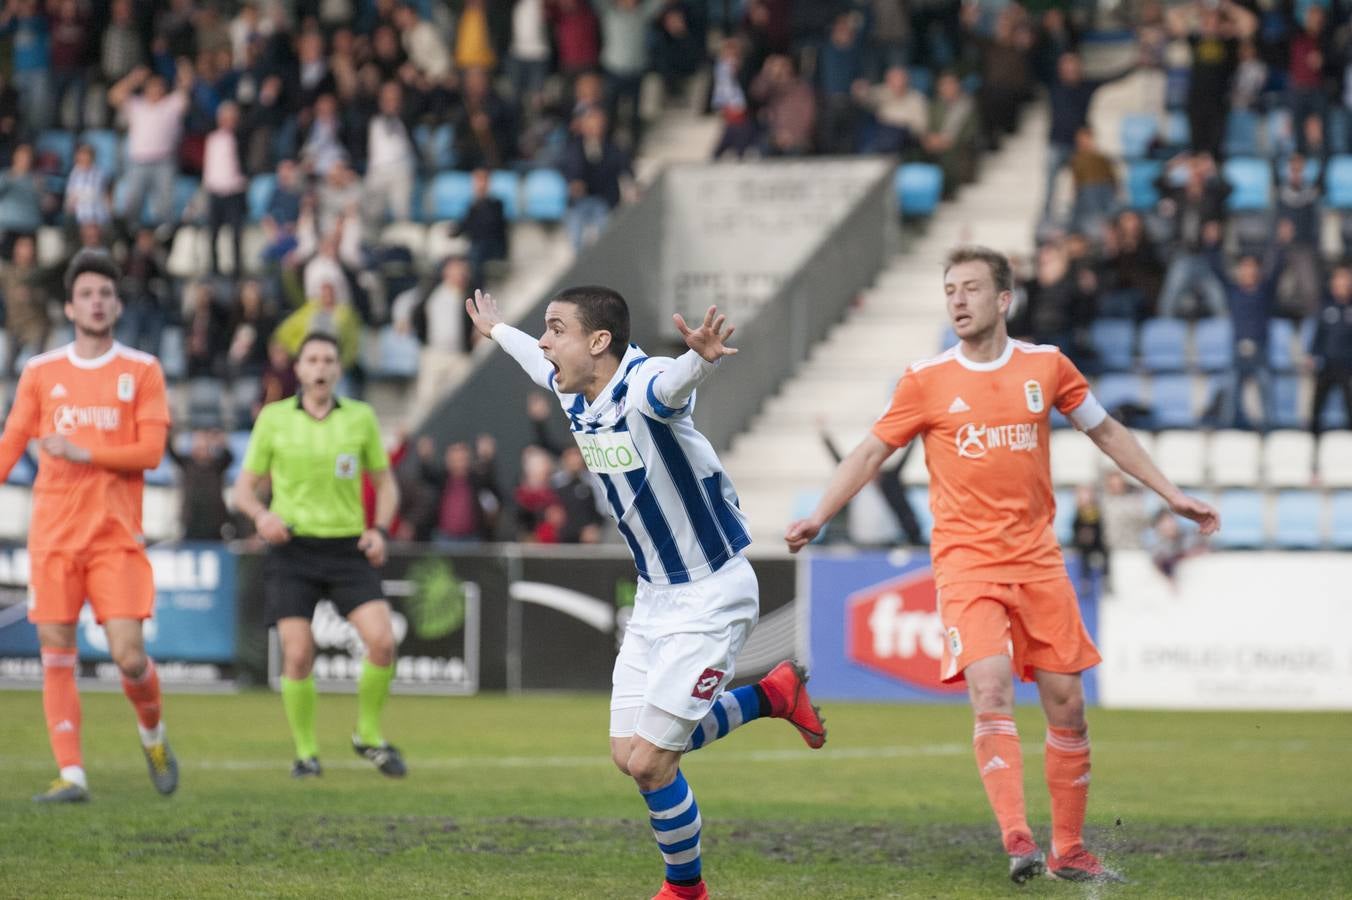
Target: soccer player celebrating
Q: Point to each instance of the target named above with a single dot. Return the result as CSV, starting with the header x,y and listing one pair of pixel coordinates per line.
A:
x,y
697,595
99,413
983,409
315,448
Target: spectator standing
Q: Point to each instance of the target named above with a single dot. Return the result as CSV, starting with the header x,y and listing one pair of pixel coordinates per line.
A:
x,y
323,148
678,44
440,320
729,100
391,161
485,225
206,332
460,514
203,515
1095,184
279,377
1331,347
788,107
535,494
426,50
1251,295
595,168
323,314
251,327
1299,204
950,140
1087,538
1251,78
1311,56
1069,97
283,213
900,112
840,64
121,48
1214,41
475,47
624,59
21,199
1124,519
1133,261
1196,211
145,293
888,36
154,123
25,24
225,185
23,287
70,40
573,485
577,36
485,126
528,61
87,197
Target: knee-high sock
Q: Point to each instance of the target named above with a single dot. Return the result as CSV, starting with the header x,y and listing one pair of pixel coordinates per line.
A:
x,y
373,688
299,699
999,759
676,825
731,709
144,694
61,703
1067,768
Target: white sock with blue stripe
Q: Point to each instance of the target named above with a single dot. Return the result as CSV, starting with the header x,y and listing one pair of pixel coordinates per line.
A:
x,y
676,825
730,710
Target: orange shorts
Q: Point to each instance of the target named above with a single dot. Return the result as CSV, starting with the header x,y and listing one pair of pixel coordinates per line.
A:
x,y
117,583
1037,625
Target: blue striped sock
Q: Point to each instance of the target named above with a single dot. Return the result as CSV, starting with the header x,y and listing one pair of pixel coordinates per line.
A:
x,y
731,709
676,825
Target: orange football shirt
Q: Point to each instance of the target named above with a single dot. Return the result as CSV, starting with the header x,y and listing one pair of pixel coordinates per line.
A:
x,y
986,428
95,403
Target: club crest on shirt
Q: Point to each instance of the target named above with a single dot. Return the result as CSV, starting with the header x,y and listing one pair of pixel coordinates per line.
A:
x,y
346,466
707,684
1032,392
954,642
126,387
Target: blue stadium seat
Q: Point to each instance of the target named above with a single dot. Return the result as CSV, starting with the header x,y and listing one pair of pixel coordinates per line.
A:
x,y
1114,340
918,497
1138,130
1281,334
922,79
1335,413
450,196
1288,412
1214,341
436,146
107,149
546,195
1241,134
1064,520
1164,345
398,354
1338,183
1281,135
1340,521
1141,175
261,189
1116,390
1251,180
506,186
173,357
1171,402
60,144
1300,520
919,187
1242,513
1177,131
23,472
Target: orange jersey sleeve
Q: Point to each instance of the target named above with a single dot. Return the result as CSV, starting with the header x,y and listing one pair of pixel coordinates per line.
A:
x,y
987,432
21,425
112,406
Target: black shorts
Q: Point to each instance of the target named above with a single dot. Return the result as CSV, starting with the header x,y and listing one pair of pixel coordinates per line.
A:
x,y
305,570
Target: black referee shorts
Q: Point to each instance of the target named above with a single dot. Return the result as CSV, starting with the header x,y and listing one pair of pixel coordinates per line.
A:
x,y
305,570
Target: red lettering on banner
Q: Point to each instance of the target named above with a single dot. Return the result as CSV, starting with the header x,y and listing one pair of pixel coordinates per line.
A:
x,y
894,629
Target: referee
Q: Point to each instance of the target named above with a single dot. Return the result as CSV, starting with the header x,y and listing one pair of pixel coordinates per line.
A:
x,y
314,447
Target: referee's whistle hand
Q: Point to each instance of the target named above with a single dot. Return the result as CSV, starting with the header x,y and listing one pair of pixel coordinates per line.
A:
x,y
271,528
372,543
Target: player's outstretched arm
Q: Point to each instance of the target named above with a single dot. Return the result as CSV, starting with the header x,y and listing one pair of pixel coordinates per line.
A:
x,y
1121,446
675,385
854,471
488,321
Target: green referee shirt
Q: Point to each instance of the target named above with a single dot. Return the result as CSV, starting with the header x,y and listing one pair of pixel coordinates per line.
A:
x,y
316,464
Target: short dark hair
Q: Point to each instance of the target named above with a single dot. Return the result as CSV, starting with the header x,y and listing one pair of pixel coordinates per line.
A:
x,y
1001,271
91,260
601,309
322,337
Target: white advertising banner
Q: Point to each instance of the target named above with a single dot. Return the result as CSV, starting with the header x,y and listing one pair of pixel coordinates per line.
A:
x,y
1232,631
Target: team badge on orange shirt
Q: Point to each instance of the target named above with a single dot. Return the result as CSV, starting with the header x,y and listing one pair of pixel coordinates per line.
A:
x,y
1032,392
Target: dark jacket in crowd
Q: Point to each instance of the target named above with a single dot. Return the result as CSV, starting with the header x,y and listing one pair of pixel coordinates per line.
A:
x,y
1331,345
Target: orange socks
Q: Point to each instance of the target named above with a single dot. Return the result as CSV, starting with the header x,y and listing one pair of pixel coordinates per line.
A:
x,y
1067,764
1000,761
61,703
144,694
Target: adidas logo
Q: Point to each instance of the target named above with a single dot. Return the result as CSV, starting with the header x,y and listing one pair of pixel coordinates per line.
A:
x,y
59,391
63,726
1082,781
995,765
959,406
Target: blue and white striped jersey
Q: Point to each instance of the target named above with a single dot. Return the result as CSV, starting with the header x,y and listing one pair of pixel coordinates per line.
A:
x,y
662,480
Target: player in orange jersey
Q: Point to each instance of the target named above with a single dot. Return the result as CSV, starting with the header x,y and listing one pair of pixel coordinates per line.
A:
x,y
99,413
1007,605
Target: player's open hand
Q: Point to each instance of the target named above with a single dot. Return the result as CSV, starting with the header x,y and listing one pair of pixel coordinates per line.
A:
x,y
800,534
271,528
372,543
58,446
1201,513
483,311
709,339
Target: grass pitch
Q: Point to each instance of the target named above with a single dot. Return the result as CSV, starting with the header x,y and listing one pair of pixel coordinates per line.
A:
x,y
515,797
